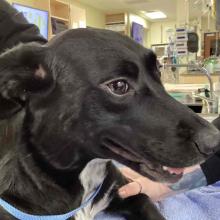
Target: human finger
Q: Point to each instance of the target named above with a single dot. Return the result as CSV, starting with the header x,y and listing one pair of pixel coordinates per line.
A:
x,y
129,173
130,189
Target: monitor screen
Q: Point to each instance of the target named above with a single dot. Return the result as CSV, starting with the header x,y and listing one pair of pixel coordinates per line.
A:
x,y
137,32
35,16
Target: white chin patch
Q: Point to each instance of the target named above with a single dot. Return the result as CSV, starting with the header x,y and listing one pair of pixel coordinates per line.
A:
x,y
91,177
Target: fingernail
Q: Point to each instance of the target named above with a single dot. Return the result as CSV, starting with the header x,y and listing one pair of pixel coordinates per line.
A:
x,y
122,193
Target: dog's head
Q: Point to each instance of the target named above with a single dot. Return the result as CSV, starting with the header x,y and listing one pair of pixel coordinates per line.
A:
x,y
95,93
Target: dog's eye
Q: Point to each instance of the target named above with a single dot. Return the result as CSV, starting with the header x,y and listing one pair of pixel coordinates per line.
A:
x,y
119,87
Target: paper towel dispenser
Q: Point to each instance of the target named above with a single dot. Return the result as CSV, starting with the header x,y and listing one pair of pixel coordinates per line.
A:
x,y
217,15
193,42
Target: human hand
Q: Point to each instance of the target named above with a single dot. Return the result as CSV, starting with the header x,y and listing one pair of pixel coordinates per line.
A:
x,y
158,191
139,184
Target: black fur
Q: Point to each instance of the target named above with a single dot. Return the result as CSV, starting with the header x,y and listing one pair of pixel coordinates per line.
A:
x,y
70,117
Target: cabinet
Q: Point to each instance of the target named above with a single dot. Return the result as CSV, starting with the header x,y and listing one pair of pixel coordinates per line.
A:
x,y
59,13
117,22
211,44
59,16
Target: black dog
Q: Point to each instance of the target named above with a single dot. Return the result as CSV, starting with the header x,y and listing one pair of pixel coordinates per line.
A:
x,y
91,94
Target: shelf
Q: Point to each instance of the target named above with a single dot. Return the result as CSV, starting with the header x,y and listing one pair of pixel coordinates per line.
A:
x,y
116,22
115,18
59,3
60,18
60,10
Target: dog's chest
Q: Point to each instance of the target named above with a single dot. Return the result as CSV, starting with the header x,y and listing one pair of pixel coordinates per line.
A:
x,y
91,211
91,177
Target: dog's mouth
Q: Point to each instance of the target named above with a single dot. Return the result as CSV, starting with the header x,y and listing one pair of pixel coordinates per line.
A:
x,y
150,168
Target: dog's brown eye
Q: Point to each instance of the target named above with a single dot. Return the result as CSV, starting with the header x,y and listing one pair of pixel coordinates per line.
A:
x,y
119,87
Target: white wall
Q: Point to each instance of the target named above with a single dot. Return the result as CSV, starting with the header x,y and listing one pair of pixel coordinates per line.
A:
x,y
158,31
94,17
78,17
208,26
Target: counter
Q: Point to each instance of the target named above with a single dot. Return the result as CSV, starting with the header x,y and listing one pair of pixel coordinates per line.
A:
x,y
209,117
197,77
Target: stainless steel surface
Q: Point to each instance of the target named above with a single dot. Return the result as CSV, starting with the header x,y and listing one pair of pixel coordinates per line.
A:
x,y
206,72
209,117
195,73
211,101
192,103
182,65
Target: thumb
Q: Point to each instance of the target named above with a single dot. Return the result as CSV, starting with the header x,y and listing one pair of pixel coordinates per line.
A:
x,y
128,190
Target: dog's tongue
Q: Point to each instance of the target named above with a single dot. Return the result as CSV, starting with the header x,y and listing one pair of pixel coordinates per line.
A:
x,y
174,170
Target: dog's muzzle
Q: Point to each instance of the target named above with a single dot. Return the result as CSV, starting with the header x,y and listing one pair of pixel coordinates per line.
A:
x,y
208,141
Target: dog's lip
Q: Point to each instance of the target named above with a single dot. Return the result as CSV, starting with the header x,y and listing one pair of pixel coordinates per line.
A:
x,y
174,174
173,170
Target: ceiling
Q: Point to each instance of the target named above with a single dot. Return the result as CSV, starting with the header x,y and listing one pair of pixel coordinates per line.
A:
x,y
135,6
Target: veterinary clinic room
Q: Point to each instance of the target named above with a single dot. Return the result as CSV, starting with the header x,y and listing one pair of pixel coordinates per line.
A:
x,y
110,109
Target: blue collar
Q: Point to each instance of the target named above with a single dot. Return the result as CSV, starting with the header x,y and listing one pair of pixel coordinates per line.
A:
x,y
24,216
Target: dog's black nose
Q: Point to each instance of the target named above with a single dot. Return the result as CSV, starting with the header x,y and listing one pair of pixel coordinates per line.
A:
x,y
208,140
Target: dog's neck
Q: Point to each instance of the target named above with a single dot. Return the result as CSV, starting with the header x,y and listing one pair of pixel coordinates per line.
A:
x,y
22,180
32,185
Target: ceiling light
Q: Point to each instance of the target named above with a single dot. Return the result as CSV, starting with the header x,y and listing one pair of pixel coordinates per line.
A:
x,y
155,15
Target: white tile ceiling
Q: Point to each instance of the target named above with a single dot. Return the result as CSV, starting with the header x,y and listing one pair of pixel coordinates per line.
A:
x,y
166,6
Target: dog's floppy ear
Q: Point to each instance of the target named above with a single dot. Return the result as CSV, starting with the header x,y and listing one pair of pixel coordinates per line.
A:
x,y
23,71
153,65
